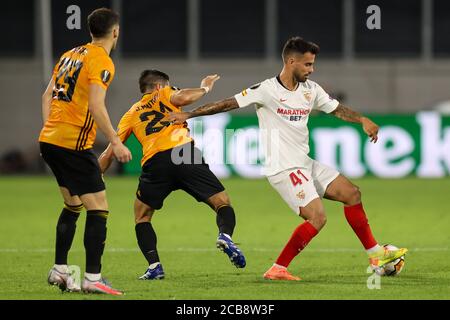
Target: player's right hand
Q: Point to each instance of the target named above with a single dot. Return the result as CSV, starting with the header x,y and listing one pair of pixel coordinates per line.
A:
x,y
121,152
209,81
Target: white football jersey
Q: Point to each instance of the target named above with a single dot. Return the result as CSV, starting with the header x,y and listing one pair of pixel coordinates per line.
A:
x,y
283,118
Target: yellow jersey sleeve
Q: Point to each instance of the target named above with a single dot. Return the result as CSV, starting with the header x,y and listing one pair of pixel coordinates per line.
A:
x,y
125,127
101,71
166,93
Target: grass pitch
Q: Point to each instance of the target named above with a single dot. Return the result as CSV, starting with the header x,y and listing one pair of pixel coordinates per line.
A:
x,y
409,212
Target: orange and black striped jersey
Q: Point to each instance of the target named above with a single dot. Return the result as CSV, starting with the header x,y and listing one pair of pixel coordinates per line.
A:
x,y
70,124
146,120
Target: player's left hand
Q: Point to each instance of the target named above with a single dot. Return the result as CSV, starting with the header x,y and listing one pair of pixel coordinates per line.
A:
x,y
178,117
370,128
209,81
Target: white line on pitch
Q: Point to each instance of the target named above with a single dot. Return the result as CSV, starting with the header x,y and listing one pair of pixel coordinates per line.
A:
x,y
325,250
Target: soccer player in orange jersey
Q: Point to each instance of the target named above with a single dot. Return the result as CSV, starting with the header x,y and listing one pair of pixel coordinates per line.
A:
x,y
73,106
283,104
170,162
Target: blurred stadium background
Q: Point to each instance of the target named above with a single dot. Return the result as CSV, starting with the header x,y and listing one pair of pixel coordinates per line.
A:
x,y
395,73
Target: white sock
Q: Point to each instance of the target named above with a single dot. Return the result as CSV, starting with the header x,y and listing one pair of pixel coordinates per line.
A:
x,y
279,266
153,265
93,276
226,235
61,268
374,249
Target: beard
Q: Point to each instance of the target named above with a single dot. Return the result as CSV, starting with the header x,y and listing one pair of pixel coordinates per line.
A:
x,y
299,77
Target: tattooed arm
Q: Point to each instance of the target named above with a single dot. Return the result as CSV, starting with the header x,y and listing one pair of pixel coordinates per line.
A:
x,y
346,114
207,109
349,115
215,107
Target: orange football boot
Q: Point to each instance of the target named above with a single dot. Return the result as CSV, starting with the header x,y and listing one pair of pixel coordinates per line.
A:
x,y
279,273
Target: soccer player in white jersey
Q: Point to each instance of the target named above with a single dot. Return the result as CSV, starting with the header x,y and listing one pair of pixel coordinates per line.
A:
x,y
283,105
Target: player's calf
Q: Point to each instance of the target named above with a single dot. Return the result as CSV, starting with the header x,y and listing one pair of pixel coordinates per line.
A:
x,y
226,219
94,239
65,232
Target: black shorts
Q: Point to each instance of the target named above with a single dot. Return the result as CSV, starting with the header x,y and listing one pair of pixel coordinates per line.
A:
x,y
78,171
161,175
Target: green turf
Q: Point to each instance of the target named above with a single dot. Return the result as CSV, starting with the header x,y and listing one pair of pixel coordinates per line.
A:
x,y
408,212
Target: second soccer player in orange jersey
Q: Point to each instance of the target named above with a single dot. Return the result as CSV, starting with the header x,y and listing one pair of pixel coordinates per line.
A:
x,y
170,162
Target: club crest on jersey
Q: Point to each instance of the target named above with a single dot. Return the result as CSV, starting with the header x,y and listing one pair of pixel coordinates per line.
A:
x,y
307,95
301,195
105,75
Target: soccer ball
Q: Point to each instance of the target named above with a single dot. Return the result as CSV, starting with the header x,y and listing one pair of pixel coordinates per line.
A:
x,y
392,268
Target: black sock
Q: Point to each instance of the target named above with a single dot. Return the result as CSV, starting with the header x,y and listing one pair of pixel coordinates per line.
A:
x,y
94,239
226,220
146,238
65,231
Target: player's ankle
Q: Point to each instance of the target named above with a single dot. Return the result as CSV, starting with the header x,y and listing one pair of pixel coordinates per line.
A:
x,y
92,276
375,250
154,265
62,268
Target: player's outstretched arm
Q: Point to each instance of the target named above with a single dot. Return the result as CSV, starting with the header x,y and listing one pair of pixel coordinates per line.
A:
x,y
185,97
349,115
207,109
106,158
47,100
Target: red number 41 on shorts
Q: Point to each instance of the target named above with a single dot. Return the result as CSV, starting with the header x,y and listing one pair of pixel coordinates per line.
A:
x,y
295,177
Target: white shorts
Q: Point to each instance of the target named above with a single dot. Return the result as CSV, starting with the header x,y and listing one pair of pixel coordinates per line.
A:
x,y
299,186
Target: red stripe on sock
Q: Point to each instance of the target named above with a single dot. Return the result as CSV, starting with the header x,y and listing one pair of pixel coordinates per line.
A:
x,y
357,219
301,236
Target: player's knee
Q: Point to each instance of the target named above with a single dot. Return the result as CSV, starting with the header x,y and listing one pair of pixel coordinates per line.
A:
x,y
314,212
224,200
316,217
95,201
142,212
141,219
354,196
218,200
321,218
143,216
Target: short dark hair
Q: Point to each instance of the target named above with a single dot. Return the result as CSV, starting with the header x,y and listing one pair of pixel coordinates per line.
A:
x,y
101,21
298,45
149,79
